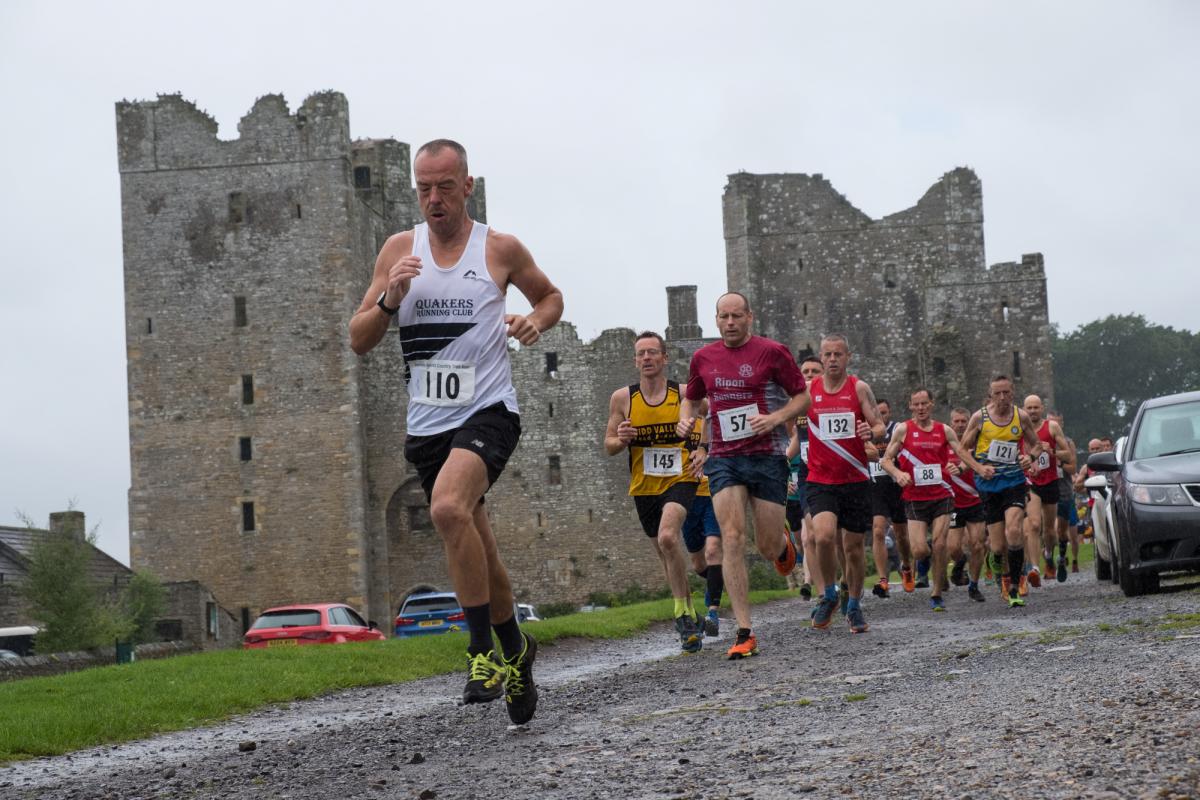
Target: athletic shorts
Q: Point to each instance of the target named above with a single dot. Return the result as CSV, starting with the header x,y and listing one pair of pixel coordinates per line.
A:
x,y
1048,493
701,523
887,502
491,433
795,514
850,501
928,510
1066,507
650,506
962,516
764,476
996,503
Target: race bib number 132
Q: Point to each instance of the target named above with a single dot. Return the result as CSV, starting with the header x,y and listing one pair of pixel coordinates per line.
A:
x,y
838,426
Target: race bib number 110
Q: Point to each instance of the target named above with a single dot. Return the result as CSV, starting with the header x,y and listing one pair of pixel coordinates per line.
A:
x,y
442,383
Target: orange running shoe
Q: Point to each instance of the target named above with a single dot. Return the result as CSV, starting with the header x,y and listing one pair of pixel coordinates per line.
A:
x,y
786,562
1005,586
1023,587
907,580
1050,572
743,649
1034,578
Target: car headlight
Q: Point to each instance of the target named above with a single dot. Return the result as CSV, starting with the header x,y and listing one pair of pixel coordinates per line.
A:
x,y
1159,494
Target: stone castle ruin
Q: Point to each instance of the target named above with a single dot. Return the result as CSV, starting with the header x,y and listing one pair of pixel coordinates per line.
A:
x,y
267,457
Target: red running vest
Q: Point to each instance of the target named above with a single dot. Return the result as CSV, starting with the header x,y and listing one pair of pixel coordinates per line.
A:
x,y
835,453
1047,460
925,456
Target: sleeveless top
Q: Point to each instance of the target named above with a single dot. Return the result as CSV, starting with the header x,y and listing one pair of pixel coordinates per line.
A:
x,y
998,445
1047,461
877,473
454,338
798,464
925,456
963,485
657,456
835,453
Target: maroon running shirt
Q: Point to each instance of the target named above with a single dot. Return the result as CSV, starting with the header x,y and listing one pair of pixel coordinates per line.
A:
x,y
757,378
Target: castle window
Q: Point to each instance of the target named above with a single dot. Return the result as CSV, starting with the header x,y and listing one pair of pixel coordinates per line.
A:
x,y
806,309
298,211
362,177
239,312
245,448
248,517
889,276
149,325
1016,370
939,366
799,264
552,364
555,471
589,515
1004,309
551,409
540,520
210,616
247,390
245,619
238,213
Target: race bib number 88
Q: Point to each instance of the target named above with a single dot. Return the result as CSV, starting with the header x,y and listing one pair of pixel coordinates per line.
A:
x,y
927,475
735,422
442,383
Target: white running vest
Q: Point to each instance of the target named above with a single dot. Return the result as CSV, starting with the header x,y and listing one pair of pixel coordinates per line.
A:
x,y
454,338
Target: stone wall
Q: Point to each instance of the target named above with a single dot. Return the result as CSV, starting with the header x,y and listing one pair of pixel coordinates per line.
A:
x,y
912,291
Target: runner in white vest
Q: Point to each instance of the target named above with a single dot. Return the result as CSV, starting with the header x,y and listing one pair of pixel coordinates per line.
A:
x,y
445,282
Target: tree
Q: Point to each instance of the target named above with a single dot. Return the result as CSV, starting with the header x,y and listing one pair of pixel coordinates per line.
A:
x,y
62,595
1105,369
145,600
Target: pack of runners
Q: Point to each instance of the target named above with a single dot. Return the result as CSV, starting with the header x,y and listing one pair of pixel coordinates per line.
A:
x,y
805,452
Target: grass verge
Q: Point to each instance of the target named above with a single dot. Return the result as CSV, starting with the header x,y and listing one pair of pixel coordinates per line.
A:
x,y
105,705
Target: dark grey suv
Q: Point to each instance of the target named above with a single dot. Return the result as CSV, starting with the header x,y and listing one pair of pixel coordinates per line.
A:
x,y
1155,493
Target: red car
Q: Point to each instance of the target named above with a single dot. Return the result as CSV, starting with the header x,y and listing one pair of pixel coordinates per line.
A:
x,y
314,623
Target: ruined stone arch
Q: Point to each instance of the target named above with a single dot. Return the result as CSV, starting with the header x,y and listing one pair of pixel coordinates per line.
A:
x,y
415,551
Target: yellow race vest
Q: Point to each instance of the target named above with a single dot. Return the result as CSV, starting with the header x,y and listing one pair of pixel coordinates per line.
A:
x,y
657,456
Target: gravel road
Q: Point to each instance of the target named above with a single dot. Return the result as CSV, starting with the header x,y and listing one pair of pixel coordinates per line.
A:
x,y
1084,693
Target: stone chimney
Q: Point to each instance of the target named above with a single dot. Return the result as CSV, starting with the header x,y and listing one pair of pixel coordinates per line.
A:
x,y
71,522
681,313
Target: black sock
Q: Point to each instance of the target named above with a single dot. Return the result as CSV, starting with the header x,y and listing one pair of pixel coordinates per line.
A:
x,y
511,640
1016,565
716,584
1062,549
742,635
479,623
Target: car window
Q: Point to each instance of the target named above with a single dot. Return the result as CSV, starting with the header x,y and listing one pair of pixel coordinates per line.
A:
x,y
288,619
416,605
1168,429
338,616
355,619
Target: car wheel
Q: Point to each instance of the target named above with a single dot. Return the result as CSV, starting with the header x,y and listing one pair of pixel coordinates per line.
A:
x,y
1132,584
1103,568
1150,583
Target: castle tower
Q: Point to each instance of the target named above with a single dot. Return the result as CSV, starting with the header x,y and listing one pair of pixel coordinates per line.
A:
x,y
681,313
911,291
244,261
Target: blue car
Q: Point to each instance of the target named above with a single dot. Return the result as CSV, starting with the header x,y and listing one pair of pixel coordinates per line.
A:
x,y
430,612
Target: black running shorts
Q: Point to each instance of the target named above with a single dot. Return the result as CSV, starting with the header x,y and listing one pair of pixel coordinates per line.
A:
x,y
996,503
928,510
887,502
1048,493
850,501
650,506
962,516
491,433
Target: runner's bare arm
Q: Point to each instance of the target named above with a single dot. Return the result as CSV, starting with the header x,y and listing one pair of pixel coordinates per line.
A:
x,y
876,430
546,299
971,434
794,407
1062,448
1033,445
620,430
793,448
688,411
395,267
888,462
964,455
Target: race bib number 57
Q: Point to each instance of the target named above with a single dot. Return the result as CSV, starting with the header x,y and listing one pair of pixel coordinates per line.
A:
x,y
735,422
442,383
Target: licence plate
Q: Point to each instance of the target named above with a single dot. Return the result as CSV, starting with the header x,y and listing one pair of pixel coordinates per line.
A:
x,y
282,643
429,623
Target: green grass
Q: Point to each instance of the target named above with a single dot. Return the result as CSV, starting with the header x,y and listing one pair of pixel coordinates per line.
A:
x,y
855,698
104,705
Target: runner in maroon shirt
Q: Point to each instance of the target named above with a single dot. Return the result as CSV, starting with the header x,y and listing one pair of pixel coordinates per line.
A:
x,y
753,387
842,418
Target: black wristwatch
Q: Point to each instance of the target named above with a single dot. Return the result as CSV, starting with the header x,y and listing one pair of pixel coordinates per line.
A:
x,y
391,312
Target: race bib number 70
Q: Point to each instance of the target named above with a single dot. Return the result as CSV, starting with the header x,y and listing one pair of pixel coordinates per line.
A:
x,y
442,383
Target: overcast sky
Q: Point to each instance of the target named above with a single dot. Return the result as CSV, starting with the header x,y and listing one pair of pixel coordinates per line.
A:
x,y
605,132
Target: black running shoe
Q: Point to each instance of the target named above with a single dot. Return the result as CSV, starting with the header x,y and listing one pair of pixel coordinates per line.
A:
x,y
691,636
520,693
958,575
974,593
485,678
922,582
1061,572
